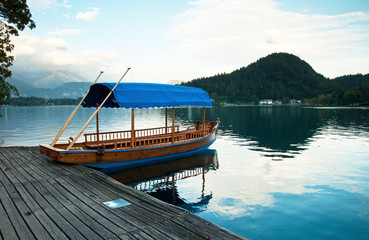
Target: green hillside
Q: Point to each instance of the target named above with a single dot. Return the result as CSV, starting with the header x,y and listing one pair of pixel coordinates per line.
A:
x,y
353,81
276,76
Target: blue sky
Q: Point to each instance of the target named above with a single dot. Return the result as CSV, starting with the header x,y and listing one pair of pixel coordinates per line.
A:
x,y
166,40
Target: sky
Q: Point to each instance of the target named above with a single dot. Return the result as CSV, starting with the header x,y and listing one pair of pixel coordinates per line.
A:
x,y
166,40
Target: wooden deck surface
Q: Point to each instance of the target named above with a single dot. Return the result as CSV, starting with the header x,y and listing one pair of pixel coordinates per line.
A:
x,y
44,199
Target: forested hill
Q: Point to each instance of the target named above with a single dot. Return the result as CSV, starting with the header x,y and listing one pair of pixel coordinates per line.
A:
x,y
353,81
276,76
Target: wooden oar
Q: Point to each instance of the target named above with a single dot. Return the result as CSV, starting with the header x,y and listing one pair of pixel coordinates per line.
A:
x,y
72,114
93,115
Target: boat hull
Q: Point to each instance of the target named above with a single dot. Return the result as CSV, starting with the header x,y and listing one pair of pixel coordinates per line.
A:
x,y
120,166
129,157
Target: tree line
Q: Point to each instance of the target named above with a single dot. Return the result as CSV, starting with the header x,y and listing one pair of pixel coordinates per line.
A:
x,y
352,97
35,101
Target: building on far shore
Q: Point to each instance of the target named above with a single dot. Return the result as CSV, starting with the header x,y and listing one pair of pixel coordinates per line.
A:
x,y
279,102
266,102
295,102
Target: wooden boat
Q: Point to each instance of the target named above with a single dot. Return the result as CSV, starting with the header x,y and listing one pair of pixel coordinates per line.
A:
x,y
118,150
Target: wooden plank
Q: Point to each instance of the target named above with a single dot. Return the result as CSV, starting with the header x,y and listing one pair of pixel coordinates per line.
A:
x,y
141,235
16,218
198,228
66,220
85,196
82,220
143,213
150,232
70,217
57,217
137,204
101,213
140,196
29,217
210,228
40,214
102,196
8,166
7,230
3,161
172,233
15,173
148,213
137,211
102,179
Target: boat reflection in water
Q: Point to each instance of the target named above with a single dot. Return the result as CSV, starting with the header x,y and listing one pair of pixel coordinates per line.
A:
x,y
160,180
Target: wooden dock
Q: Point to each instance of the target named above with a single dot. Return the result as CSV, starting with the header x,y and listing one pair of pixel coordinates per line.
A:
x,y
44,199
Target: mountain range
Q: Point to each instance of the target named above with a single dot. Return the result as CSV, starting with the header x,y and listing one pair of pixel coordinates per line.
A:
x,y
49,85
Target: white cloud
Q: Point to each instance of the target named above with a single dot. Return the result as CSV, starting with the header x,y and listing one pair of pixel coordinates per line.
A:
x,y
89,15
26,45
65,32
42,3
47,3
233,33
34,54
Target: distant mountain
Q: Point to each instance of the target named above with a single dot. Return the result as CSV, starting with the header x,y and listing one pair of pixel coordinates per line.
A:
x,y
276,76
45,79
28,77
49,85
66,90
174,82
58,78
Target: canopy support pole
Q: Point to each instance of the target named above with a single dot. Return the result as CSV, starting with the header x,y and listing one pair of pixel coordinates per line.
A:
x,y
203,122
93,115
133,128
97,124
72,115
173,129
166,120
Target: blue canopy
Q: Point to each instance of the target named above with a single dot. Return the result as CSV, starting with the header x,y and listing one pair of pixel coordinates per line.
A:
x,y
146,95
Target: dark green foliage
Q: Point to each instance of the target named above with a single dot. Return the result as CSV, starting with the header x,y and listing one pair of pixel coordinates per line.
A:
x,y
353,81
14,15
352,97
277,76
16,12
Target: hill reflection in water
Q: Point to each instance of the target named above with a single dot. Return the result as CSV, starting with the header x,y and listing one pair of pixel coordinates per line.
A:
x,y
281,132
159,180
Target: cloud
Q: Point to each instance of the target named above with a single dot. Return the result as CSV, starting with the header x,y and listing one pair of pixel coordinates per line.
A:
x,y
47,3
35,54
65,32
26,45
89,15
42,3
233,33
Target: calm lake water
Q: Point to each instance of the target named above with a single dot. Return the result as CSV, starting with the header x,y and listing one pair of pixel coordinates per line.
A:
x,y
273,172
